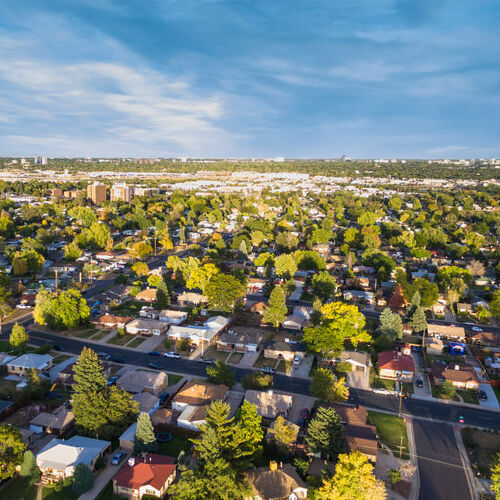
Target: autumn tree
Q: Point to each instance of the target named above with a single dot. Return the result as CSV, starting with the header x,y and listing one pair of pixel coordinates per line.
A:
x,y
11,450
18,337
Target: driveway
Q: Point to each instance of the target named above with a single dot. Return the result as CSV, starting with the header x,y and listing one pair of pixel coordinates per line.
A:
x,y
249,358
425,391
299,403
359,380
304,368
492,401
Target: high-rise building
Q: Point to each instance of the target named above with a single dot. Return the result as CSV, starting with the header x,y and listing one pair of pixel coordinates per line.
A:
x,y
97,192
120,191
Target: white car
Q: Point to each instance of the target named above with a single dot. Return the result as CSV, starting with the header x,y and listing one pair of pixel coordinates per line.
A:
x,y
22,306
297,360
172,354
476,329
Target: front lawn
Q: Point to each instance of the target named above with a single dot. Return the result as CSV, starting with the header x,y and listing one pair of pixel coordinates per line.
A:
x,y
118,339
213,353
107,493
235,358
173,378
482,446
262,362
18,489
100,334
469,396
174,447
85,333
59,358
381,383
137,341
50,493
390,430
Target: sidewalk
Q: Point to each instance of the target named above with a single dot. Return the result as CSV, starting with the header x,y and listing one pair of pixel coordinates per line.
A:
x,y
469,475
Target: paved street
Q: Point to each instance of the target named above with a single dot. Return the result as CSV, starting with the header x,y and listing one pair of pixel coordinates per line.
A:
x,y
442,476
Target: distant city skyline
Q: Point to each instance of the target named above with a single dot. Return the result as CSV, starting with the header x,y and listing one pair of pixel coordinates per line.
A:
x,y
223,79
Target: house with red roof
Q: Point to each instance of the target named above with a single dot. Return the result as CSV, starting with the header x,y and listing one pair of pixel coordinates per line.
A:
x,y
396,365
150,474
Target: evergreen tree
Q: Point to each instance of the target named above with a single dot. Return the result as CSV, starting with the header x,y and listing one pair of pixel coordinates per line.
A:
x,y
390,324
276,311
249,432
83,479
495,476
18,337
162,296
29,468
418,320
144,439
88,372
325,434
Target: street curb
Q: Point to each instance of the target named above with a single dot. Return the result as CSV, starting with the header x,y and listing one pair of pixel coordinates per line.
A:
x,y
412,449
469,476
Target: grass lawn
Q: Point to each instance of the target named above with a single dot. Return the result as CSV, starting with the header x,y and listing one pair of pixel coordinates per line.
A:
x,y
262,361
390,429
381,383
18,489
173,378
107,493
284,366
119,340
469,396
481,447
7,386
137,341
130,308
235,358
174,447
213,353
436,393
60,358
49,493
82,334
100,334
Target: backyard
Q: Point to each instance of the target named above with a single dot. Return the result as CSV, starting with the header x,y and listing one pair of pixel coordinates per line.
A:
x,y
391,431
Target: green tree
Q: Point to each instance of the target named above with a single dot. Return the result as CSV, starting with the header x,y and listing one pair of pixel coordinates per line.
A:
x,y
354,480
285,266
83,479
144,438
283,433
27,261
495,477
224,291
325,434
418,320
339,322
495,305
88,374
11,450
276,311
18,337
140,250
324,285
390,324
72,251
326,386
29,468
162,296
448,389
99,236
201,276
221,373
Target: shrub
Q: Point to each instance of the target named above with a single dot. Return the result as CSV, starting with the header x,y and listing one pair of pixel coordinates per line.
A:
x,y
257,381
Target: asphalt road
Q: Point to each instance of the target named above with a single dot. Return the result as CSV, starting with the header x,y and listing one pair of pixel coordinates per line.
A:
x,y
442,476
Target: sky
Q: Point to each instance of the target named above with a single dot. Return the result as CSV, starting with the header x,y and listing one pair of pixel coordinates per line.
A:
x,y
250,78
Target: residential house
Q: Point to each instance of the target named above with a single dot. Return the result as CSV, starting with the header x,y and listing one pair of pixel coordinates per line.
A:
x,y
256,284
147,295
439,308
433,346
359,361
359,435
39,362
487,339
110,322
192,417
294,322
269,403
57,422
58,459
191,299
461,376
150,475
148,403
136,382
206,332
146,327
463,308
358,296
396,365
239,342
450,332
278,349
198,394
275,483
173,317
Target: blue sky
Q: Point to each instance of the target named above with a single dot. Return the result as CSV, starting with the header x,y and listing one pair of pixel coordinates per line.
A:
x,y
250,78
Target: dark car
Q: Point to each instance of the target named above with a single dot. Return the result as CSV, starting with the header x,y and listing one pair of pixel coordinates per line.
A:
x,y
154,353
207,361
156,366
420,382
163,397
104,355
118,457
111,380
268,370
58,347
482,395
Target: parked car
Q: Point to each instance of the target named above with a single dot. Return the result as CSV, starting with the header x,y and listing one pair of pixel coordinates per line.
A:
x,y
118,457
172,354
482,395
268,370
155,366
163,397
22,306
192,347
420,382
111,380
104,355
58,347
476,329
154,353
207,361
297,360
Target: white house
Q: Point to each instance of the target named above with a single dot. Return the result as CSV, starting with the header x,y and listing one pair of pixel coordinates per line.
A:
x,y
173,317
144,326
38,362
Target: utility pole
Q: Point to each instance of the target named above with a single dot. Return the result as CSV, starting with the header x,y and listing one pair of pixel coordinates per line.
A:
x,y
400,450
400,395
57,288
155,242
91,270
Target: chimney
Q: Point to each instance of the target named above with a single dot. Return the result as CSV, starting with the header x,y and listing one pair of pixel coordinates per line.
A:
x,y
131,461
457,367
